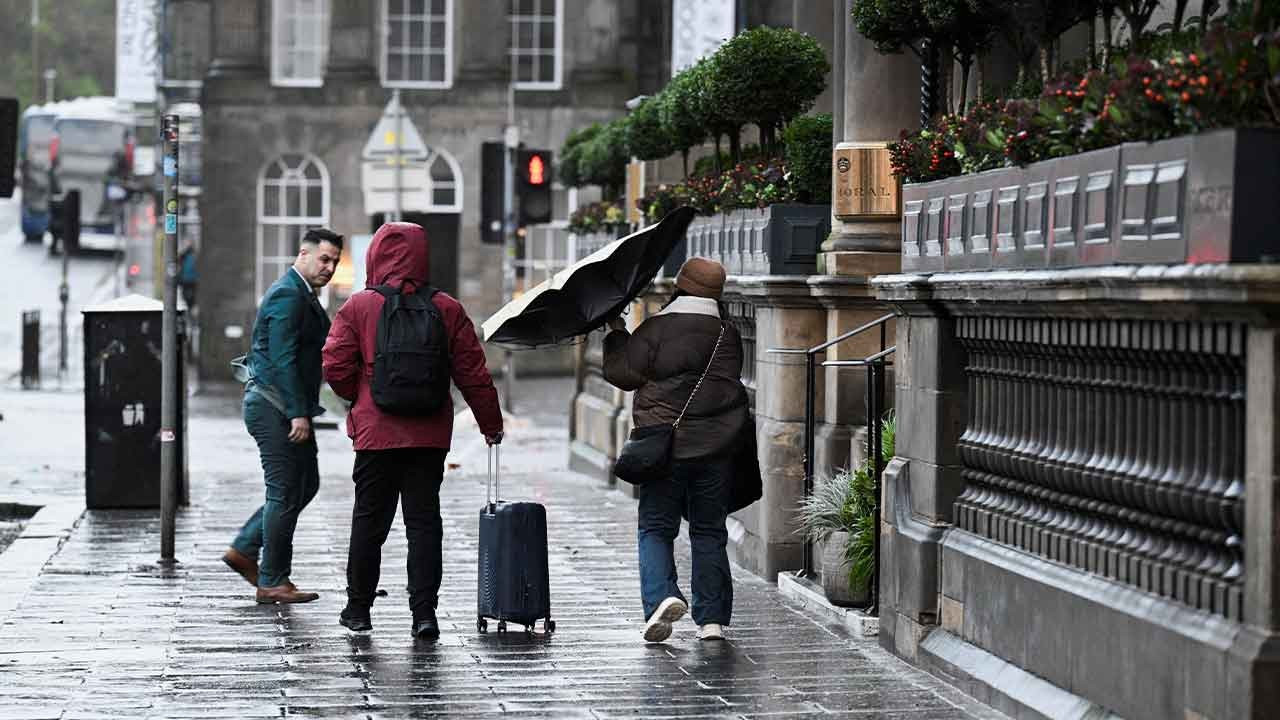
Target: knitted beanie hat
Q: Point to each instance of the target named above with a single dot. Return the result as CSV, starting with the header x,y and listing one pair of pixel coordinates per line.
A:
x,y
701,277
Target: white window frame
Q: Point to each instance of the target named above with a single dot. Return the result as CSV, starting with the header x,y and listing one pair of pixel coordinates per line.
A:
x,y
385,52
290,176
432,183
283,11
558,52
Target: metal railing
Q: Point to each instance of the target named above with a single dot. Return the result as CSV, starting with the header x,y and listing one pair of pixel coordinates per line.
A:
x,y
875,365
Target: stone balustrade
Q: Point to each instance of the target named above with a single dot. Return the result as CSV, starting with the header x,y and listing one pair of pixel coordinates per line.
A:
x,y
1085,483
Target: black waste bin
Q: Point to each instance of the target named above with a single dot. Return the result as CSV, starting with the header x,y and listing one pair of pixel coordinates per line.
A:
x,y
122,377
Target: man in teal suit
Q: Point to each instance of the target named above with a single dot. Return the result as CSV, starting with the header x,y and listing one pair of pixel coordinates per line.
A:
x,y
281,397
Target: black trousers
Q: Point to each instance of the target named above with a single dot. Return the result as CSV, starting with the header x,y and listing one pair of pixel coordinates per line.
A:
x,y
412,475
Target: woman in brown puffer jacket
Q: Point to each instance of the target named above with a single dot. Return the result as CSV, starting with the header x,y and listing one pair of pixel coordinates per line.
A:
x,y
662,362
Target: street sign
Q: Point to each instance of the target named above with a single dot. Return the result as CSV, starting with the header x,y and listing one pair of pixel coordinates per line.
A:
x,y
136,50
394,138
699,27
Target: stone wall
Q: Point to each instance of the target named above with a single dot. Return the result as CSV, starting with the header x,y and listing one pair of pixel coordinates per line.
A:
x,y
1078,520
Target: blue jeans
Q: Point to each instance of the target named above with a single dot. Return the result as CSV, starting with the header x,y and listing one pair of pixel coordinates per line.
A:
x,y
699,490
292,478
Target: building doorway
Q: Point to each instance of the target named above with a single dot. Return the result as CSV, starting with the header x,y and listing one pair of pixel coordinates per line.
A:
x,y
442,235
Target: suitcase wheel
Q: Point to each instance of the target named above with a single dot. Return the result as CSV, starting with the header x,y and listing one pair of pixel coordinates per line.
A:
x,y
549,625
502,627
482,625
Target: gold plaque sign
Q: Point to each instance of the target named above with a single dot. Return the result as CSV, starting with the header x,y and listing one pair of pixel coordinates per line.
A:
x,y
861,181
635,190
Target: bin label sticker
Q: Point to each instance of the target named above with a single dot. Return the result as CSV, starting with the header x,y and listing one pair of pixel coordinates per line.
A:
x,y
167,435
170,223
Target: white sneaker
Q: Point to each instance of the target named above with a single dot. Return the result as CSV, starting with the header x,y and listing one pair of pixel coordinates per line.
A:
x,y
711,631
659,626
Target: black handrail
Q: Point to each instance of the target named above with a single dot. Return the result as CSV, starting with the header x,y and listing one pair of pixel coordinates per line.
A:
x,y
875,409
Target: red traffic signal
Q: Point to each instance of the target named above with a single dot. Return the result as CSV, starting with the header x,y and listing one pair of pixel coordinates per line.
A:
x,y
533,189
536,170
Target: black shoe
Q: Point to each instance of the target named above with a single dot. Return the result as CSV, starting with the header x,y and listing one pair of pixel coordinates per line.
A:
x,y
426,628
355,620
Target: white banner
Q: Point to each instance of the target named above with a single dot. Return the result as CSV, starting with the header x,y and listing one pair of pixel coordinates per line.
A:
x,y
136,50
700,26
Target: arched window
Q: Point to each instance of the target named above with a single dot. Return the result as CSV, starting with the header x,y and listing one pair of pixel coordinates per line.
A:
x,y
293,196
446,182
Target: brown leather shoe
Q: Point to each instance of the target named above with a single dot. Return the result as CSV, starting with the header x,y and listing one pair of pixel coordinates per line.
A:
x,y
243,564
284,594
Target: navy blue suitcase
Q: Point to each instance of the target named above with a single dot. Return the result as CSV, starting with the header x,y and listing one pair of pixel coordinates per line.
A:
x,y
513,580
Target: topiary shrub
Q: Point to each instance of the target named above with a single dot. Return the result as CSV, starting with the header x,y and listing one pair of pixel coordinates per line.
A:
x,y
767,76
647,139
808,143
570,165
713,105
604,157
680,115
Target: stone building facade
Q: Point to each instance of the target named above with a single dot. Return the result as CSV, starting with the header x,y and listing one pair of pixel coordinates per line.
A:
x,y
295,87
1081,517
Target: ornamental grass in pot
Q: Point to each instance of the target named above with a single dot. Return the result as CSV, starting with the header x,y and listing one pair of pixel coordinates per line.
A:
x,y
840,515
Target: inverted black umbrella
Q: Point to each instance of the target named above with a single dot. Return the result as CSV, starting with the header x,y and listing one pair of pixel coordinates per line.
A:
x,y
585,295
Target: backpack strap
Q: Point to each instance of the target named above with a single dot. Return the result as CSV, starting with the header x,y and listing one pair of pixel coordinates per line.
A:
x,y
385,291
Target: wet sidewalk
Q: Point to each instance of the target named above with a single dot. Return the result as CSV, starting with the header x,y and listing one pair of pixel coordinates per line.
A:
x,y
102,631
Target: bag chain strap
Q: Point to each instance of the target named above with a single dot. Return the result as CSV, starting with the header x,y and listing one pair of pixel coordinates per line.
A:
x,y
689,402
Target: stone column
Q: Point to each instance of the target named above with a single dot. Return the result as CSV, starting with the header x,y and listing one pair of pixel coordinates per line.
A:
x,y
813,17
352,44
850,303
187,23
786,317
1255,654
878,97
240,33
921,484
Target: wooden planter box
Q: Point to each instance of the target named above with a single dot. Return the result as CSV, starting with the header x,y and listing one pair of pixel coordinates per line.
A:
x,y
781,239
1207,198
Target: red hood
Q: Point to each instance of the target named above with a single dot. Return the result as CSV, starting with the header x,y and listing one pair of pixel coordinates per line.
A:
x,y
399,252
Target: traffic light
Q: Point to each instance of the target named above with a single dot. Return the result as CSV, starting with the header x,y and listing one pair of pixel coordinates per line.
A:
x,y
532,189
8,144
491,169
64,220
533,186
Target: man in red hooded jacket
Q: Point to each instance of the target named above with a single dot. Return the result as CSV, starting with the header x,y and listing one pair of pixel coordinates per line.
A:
x,y
401,456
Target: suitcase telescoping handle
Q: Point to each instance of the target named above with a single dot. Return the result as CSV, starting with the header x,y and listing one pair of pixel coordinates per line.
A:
x,y
493,484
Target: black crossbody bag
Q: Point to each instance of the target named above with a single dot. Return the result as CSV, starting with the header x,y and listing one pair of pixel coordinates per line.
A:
x,y
646,456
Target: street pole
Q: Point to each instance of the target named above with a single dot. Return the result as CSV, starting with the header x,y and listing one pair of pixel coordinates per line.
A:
x,y
64,296
50,75
169,346
35,50
395,95
511,139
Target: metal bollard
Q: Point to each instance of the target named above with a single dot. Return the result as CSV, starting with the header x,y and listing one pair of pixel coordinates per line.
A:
x,y
30,349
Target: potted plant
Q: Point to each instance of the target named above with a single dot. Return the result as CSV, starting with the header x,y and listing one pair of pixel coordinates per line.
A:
x,y
841,516
1153,159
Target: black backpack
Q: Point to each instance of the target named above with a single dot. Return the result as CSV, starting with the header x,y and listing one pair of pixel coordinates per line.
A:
x,y
411,354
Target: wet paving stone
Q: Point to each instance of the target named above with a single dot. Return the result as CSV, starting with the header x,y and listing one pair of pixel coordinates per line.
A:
x,y
106,632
